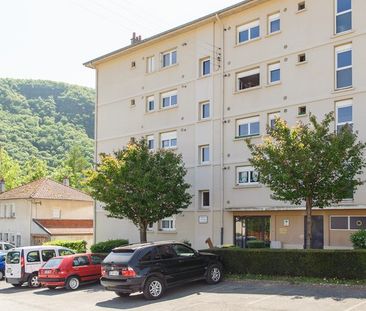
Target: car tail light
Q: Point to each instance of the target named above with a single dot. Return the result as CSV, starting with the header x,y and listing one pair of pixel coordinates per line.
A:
x,y
103,272
128,272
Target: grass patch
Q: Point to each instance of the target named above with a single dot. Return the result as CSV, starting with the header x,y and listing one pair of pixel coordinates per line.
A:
x,y
295,279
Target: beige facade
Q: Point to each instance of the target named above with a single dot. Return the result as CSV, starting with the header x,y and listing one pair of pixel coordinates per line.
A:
x,y
307,51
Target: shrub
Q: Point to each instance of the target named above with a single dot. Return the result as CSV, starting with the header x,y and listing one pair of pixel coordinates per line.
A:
x,y
77,246
256,244
341,264
358,239
107,246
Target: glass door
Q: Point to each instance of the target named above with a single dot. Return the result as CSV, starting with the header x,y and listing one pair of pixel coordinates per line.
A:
x,y
249,228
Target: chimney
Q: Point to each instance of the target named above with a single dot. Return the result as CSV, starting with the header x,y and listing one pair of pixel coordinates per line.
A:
x,y
2,185
135,39
66,181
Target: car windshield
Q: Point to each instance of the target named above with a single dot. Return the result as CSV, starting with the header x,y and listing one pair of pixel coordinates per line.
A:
x,y
53,263
13,257
8,246
119,256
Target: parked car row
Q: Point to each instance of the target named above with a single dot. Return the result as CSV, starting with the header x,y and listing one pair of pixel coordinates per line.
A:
x,y
150,268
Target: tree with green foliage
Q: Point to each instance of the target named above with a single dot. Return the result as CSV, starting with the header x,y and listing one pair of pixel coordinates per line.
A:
x,y
309,163
140,185
9,170
34,169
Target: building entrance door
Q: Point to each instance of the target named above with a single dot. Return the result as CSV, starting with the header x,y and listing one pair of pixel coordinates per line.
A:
x,y
317,229
251,228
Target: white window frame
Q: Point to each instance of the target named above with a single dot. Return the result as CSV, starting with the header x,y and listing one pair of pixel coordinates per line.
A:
x,y
170,53
168,136
150,64
148,100
247,73
342,104
56,213
341,13
248,26
202,104
148,139
202,62
202,149
250,170
248,121
18,240
169,95
271,117
171,221
271,18
273,67
201,199
341,49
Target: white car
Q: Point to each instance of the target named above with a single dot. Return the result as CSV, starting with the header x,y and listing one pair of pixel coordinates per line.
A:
x,y
22,263
5,247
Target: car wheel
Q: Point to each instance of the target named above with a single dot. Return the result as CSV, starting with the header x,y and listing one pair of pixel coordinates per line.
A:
x,y
1,275
214,274
72,283
122,294
154,288
33,281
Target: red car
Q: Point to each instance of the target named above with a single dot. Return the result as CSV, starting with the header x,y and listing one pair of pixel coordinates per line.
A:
x,y
70,271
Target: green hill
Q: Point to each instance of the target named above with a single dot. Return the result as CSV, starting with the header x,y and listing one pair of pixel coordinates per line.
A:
x,y
45,119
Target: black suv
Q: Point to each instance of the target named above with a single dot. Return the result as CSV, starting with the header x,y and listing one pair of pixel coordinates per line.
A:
x,y
153,267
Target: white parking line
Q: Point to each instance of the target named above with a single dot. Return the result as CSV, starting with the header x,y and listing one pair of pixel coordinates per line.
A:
x,y
356,306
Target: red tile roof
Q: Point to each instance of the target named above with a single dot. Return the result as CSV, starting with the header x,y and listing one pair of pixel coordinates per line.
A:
x,y
45,188
66,226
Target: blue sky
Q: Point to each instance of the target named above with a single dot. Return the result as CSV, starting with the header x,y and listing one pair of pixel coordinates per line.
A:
x,y
50,39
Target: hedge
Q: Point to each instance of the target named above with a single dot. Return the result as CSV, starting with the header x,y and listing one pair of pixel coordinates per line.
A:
x,y
77,246
107,246
341,264
256,244
358,239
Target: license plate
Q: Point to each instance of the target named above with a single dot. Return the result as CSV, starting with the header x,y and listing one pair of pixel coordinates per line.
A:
x,y
114,273
47,271
9,270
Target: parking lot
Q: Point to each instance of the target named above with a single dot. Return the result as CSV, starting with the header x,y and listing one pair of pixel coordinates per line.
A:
x,y
228,295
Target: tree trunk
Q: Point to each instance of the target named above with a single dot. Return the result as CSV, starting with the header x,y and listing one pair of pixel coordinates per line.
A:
x,y
309,235
143,228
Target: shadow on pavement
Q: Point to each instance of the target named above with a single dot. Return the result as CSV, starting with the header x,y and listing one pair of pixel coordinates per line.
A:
x,y
88,288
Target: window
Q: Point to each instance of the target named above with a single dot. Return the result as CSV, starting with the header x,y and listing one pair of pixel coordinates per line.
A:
x,y
183,251
168,140
274,23
272,119
205,110
12,210
8,246
248,32
248,79
150,255
19,240
56,213
343,17
357,222
80,261
65,252
301,111
246,175
96,260
301,58
301,6
247,127
205,198
133,64
6,237
167,224
47,254
204,154
132,103
150,142
166,252
169,99
205,66
343,66
150,226
33,256
150,64
150,103
169,58
347,222
344,114
274,73
1,238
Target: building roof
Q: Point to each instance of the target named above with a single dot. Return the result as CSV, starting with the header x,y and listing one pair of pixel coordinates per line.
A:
x,y
66,226
45,188
187,26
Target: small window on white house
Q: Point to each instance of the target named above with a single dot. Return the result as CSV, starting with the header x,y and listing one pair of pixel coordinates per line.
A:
x,y
133,103
204,154
274,23
150,142
274,73
247,127
301,6
169,58
56,213
205,110
343,14
7,210
169,99
1,238
301,58
204,198
1,211
248,79
150,226
167,224
6,237
133,64
248,32
150,64
343,66
18,241
272,119
12,210
168,140
150,103
246,175
344,114
205,66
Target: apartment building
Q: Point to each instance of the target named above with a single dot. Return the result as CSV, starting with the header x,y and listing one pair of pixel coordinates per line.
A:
x,y
203,87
